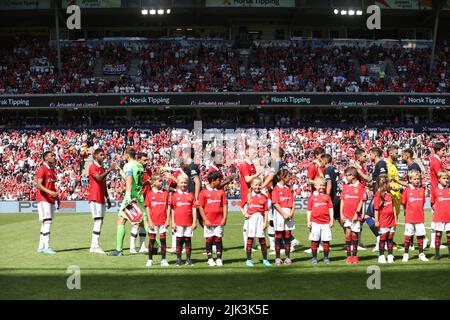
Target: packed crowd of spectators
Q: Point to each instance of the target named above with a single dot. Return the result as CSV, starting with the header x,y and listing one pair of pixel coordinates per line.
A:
x,y
21,150
217,66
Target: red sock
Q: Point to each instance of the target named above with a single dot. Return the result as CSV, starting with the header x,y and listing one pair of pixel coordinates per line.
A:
x,y
420,243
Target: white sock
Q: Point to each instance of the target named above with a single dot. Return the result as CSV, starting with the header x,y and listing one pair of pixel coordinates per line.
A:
x,y
133,236
46,234
272,241
98,222
142,236
41,237
174,240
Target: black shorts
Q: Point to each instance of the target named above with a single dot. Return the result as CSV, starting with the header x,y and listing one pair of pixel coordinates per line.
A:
x,y
337,208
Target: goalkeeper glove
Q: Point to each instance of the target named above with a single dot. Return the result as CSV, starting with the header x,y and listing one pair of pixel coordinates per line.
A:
x,y
127,198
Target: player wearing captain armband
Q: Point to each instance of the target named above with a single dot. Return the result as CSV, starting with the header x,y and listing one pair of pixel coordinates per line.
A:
x,y
134,173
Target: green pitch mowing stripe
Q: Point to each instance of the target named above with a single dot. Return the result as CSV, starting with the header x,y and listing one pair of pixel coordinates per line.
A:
x,y
24,274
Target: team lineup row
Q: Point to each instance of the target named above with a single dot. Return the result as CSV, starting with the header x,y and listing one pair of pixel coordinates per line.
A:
x,y
154,202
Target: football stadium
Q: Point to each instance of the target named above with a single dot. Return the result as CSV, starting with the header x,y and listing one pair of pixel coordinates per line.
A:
x,y
225,149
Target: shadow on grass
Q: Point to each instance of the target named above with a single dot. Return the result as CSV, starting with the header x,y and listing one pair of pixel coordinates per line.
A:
x,y
237,284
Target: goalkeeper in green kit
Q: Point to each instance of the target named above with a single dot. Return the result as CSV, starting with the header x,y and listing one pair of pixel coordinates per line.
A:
x,y
134,173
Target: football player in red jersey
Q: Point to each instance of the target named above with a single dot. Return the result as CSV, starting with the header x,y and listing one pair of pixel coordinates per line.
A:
x,y
352,197
46,198
158,214
316,168
436,165
247,172
320,219
213,208
255,210
217,167
413,200
385,219
97,195
283,220
440,202
184,217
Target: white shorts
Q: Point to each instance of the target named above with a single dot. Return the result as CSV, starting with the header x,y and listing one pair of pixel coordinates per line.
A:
x,y
355,226
320,232
386,230
46,210
184,232
440,226
158,229
213,231
255,226
280,223
97,209
271,227
415,229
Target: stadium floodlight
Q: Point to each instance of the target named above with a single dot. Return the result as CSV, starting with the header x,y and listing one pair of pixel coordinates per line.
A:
x,y
168,11
351,12
336,11
153,12
343,12
359,12
144,12
160,11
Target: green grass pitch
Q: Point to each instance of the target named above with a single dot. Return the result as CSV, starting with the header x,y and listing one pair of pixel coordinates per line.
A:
x,y
24,274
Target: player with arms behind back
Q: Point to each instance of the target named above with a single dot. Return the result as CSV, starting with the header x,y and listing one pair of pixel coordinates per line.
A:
x,y
385,218
158,218
440,201
352,198
255,210
97,195
413,200
320,219
46,198
284,209
213,208
184,218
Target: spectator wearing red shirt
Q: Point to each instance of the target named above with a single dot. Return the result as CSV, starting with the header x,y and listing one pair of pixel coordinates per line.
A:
x,y
47,195
213,207
440,202
385,219
158,213
97,195
184,217
413,200
320,219
352,197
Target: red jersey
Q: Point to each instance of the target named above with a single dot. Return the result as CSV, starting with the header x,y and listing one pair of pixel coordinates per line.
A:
x,y
48,177
319,204
97,189
413,199
386,213
440,198
352,195
157,201
361,180
313,173
147,187
436,165
258,203
283,196
245,169
182,204
212,201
